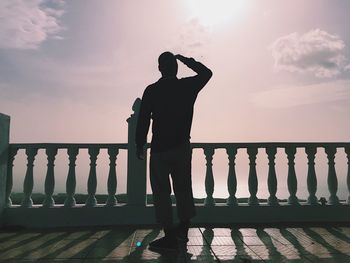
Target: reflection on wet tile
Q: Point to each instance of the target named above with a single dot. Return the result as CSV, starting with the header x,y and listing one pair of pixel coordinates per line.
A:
x,y
25,236
76,260
99,234
252,241
249,253
275,234
224,250
222,241
282,253
199,250
107,247
338,244
77,235
222,232
248,232
194,232
22,248
7,235
77,250
334,258
8,244
118,252
196,241
309,243
143,232
315,244
345,230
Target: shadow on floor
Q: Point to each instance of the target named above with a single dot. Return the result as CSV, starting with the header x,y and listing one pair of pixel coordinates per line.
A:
x,y
129,244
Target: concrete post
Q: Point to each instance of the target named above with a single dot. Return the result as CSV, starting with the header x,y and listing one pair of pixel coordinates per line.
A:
x,y
4,149
136,178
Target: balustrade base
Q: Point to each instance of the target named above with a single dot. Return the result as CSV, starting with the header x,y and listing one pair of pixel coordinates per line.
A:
x,y
232,201
91,201
111,201
253,201
27,202
333,200
48,202
209,201
8,203
312,200
272,200
69,202
293,200
60,216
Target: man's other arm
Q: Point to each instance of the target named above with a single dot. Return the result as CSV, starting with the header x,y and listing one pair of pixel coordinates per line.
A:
x,y
143,123
203,73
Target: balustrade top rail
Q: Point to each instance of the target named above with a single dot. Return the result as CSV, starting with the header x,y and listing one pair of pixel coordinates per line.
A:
x,y
68,145
217,145
270,144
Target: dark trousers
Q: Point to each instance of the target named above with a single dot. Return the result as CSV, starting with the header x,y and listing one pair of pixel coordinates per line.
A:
x,y
177,163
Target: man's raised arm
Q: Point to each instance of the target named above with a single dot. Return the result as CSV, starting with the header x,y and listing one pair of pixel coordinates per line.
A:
x,y
203,73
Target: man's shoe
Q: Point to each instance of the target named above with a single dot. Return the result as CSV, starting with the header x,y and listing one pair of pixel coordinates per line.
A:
x,y
164,243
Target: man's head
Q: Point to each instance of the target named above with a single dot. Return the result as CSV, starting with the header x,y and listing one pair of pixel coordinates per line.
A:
x,y
167,64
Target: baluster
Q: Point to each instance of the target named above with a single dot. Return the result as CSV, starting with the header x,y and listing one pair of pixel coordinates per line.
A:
x,y
50,177
332,176
9,179
92,181
347,151
112,177
209,179
71,180
311,175
231,179
252,178
272,179
28,179
292,178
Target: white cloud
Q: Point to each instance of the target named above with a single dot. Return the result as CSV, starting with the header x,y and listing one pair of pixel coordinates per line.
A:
x,y
192,39
291,96
316,51
25,24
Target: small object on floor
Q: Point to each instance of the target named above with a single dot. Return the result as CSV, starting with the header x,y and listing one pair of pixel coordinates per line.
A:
x,y
323,201
164,243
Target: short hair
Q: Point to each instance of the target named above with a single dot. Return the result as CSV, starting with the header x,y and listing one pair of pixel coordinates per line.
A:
x,y
167,63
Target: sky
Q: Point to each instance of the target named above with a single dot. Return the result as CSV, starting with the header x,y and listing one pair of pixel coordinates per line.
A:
x,y
71,70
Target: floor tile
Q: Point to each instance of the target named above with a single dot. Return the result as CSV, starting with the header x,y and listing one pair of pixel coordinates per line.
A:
x,y
309,244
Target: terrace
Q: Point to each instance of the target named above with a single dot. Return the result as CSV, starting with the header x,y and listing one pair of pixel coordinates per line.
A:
x,y
95,232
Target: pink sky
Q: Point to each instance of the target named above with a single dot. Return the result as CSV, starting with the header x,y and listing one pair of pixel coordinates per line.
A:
x,y
70,70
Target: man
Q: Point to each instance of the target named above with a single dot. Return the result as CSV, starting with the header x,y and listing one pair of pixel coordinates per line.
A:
x,y
169,102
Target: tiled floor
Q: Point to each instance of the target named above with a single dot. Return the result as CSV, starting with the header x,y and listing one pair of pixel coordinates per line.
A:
x,y
118,244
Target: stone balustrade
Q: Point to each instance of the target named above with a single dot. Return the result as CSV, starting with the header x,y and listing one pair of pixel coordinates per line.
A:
x,y
290,149
136,210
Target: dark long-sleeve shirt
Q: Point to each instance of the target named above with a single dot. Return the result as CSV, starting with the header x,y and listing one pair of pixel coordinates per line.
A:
x,y
169,102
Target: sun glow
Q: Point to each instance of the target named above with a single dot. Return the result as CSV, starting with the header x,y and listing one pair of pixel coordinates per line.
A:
x,y
215,12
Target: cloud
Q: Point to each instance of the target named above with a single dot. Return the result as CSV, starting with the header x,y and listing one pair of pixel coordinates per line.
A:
x,y
292,96
25,24
192,39
316,52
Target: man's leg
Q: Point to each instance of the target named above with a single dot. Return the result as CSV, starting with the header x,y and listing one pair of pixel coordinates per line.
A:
x,y
182,182
160,183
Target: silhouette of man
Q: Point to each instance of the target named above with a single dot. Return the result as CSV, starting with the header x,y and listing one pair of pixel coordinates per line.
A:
x,y
169,102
